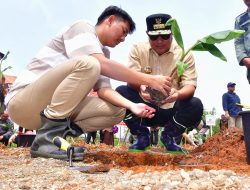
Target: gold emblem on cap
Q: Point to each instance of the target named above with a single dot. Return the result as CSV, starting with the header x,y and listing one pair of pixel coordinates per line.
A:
x,y
158,20
147,69
158,24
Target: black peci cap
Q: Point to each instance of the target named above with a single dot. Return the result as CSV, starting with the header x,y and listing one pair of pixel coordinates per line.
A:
x,y
156,24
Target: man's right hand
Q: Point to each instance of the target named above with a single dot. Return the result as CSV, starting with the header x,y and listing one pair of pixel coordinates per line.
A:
x,y
227,115
161,83
12,139
144,94
246,62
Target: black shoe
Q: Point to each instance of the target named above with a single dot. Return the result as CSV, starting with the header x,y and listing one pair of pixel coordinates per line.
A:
x,y
57,154
43,145
170,143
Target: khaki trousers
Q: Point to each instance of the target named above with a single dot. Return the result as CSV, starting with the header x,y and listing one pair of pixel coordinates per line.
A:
x,y
235,122
62,93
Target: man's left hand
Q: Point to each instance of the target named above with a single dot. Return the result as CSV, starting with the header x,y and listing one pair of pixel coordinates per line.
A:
x,y
173,96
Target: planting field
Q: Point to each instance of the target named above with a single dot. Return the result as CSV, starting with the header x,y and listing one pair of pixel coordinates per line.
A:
x,y
219,163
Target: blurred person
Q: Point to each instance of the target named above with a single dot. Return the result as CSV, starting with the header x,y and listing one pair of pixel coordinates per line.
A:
x,y
223,122
178,111
198,135
203,128
229,101
15,138
6,128
107,136
91,135
242,43
189,140
54,86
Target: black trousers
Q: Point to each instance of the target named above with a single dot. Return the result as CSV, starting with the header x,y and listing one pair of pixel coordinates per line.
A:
x,y
91,135
154,137
187,112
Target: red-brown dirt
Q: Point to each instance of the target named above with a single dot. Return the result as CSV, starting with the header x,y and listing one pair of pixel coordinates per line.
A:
x,y
224,150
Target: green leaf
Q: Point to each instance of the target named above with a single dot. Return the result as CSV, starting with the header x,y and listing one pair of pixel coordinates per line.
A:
x,y
1,62
176,32
6,55
222,36
9,67
181,67
211,48
5,125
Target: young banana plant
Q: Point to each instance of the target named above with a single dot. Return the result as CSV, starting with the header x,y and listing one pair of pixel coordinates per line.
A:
x,y
205,44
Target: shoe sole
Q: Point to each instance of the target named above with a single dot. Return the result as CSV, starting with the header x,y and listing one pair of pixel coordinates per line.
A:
x,y
76,157
138,150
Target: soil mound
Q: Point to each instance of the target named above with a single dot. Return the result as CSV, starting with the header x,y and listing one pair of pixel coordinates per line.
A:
x,y
224,150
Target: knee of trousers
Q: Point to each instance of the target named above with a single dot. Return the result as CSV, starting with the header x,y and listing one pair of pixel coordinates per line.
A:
x,y
197,106
118,114
89,65
194,105
191,113
196,110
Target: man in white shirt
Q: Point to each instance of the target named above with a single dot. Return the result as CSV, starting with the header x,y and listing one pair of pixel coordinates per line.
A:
x,y
50,96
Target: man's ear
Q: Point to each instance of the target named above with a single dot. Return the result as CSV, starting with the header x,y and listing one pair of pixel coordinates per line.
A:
x,y
111,19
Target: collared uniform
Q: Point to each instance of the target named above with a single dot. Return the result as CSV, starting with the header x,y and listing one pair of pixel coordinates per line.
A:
x,y
187,113
229,100
143,57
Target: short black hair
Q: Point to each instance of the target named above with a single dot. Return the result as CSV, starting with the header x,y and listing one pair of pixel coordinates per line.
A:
x,y
120,13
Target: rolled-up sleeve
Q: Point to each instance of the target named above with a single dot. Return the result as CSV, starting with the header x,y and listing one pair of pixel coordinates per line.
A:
x,y
239,45
102,82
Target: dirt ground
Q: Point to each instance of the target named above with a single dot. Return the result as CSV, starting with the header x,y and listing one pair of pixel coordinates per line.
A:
x,y
225,150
